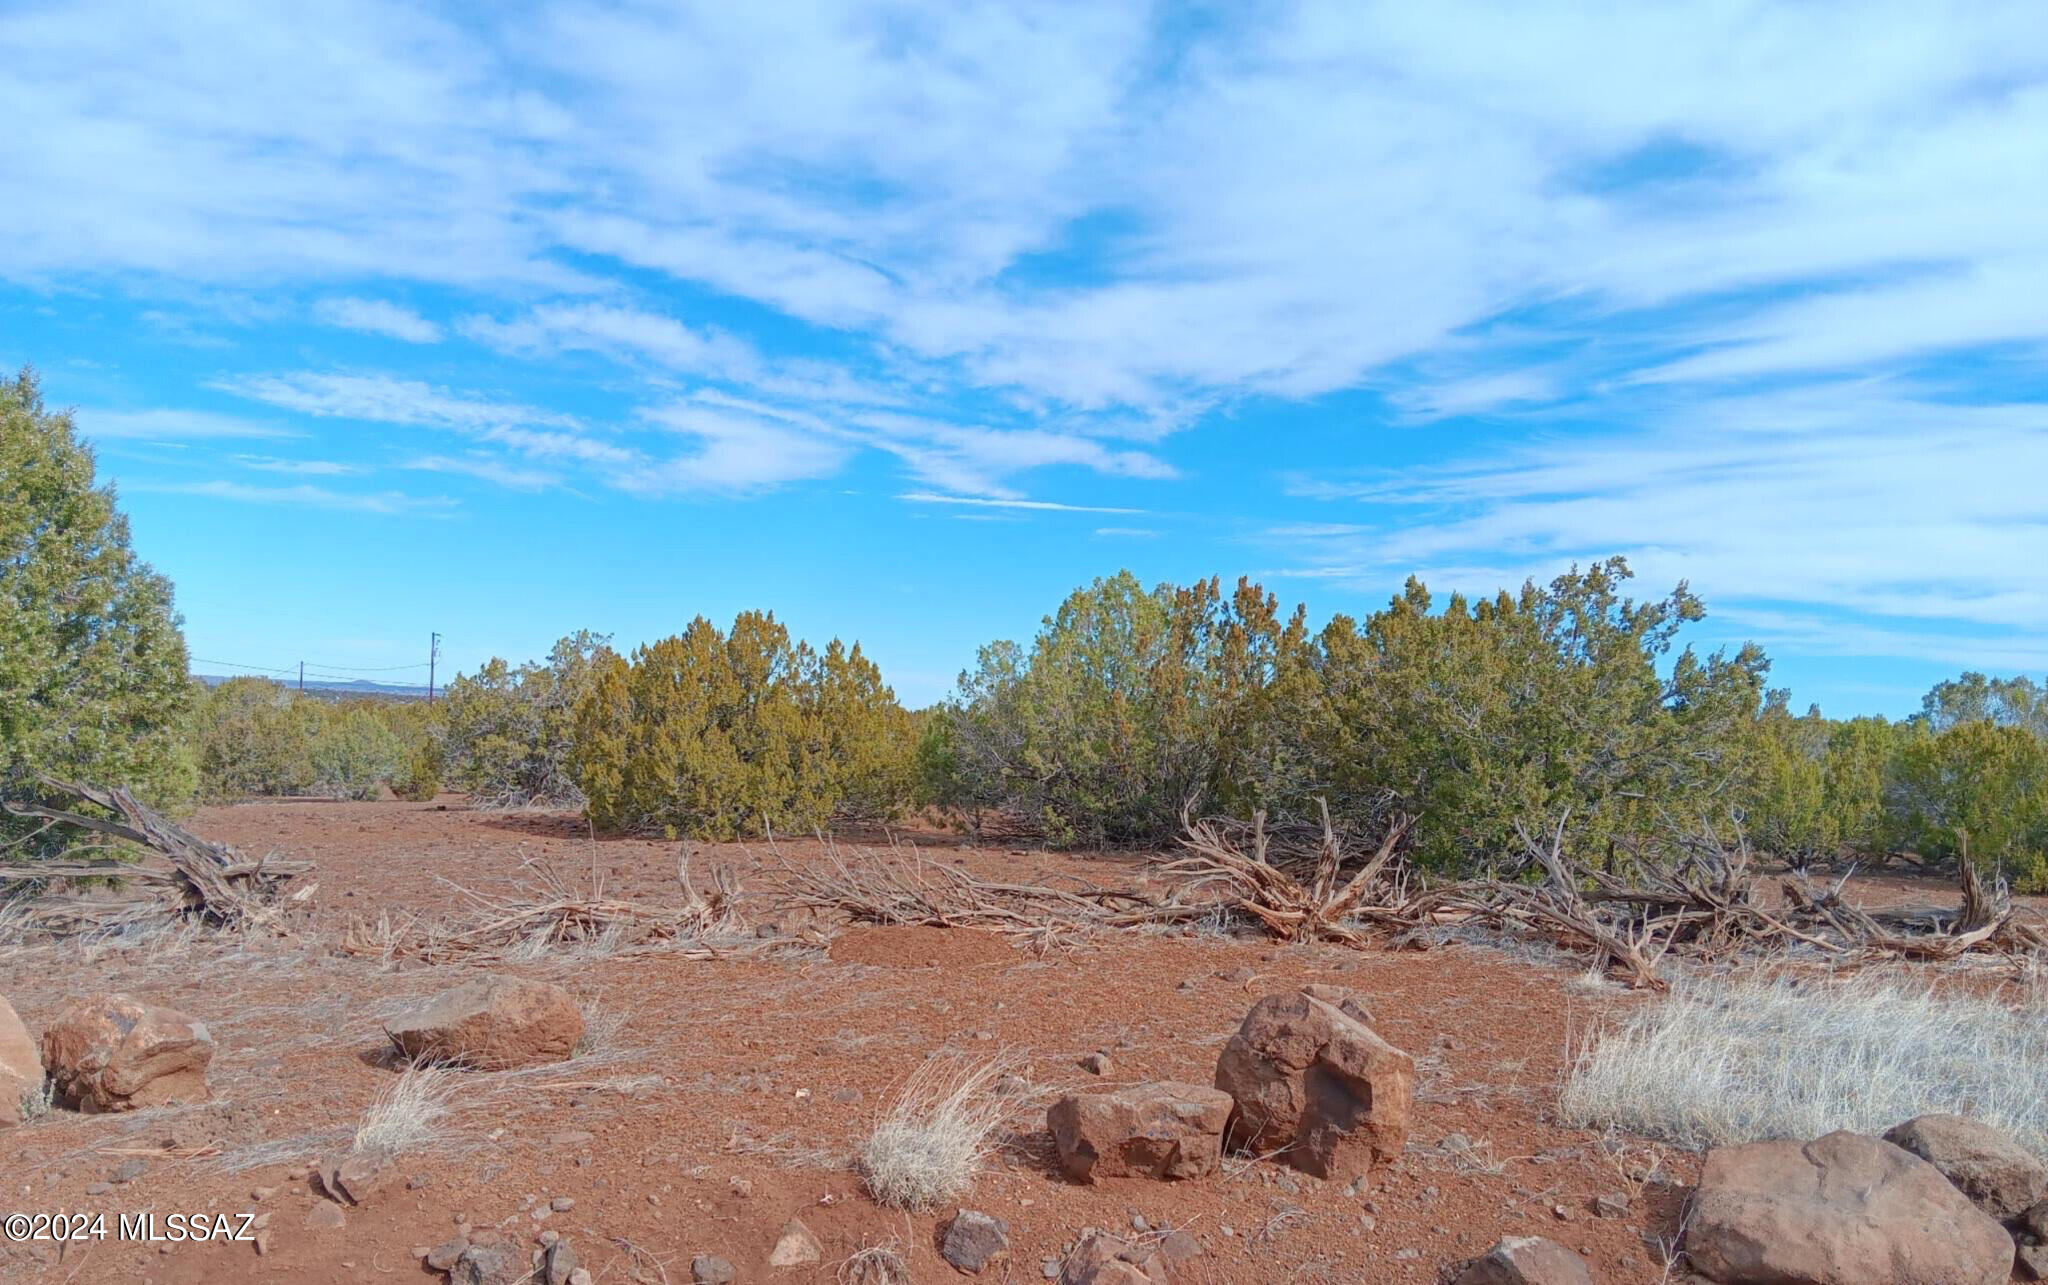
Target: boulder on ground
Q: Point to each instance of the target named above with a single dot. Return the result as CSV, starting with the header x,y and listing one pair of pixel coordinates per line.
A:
x,y
496,1024
1999,1176
1316,1085
1840,1210
1524,1260
116,1053
974,1240
1161,1130
21,1065
1103,1259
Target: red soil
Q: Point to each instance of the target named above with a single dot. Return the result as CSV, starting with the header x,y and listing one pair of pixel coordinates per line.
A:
x,y
735,1089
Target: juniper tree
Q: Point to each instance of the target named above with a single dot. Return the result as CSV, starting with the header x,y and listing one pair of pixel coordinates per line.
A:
x,y
92,663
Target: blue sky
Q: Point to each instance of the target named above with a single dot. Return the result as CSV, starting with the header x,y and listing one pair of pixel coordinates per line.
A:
x,y
904,320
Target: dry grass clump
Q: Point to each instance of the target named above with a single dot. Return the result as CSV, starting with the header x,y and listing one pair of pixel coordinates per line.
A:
x,y
1721,1062
404,1116
927,1149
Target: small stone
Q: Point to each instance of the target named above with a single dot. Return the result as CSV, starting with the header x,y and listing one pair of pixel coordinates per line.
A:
x,y
1612,1205
846,1094
261,1194
1178,1246
581,1276
445,1255
130,1170
98,1188
795,1247
549,1237
1049,1268
706,1269
974,1240
325,1216
2032,1261
559,1263
562,1204
1096,1063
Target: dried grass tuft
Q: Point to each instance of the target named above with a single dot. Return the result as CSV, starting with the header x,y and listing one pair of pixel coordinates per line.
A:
x,y
1728,1061
404,1117
928,1148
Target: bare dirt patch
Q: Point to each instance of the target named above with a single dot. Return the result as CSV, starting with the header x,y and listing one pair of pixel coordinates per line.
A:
x,y
732,1090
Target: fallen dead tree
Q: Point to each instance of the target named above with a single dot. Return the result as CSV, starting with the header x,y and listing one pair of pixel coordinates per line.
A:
x,y
179,874
1700,898
547,913
903,888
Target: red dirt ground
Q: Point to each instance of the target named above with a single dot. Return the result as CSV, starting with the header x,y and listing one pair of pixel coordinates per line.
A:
x,y
734,1089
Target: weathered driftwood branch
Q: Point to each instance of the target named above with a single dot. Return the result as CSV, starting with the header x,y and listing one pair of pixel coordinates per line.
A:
x,y
207,880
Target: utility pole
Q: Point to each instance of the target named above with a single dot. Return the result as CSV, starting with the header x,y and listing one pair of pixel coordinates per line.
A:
x,y
302,678
433,654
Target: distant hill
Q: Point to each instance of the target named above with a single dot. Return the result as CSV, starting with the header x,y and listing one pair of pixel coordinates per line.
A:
x,y
337,689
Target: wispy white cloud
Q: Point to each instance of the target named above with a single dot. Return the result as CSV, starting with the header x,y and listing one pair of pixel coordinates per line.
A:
x,y
1873,500
171,425
378,317
309,468
487,469
1041,506
389,503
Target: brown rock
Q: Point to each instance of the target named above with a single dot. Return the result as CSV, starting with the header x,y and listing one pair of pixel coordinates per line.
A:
x,y
709,1269
445,1255
1160,1130
1840,1210
974,1240
496,1024
357,1176
2031,1262
495,1260
1314,1083
19,1057
1998,1175
796,1246
560,1263
1103,1259
116,1053
325,1217
1525,1260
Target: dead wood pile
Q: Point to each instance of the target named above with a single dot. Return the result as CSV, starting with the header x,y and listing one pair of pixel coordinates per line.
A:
x,y
1701,899
547,913
179,874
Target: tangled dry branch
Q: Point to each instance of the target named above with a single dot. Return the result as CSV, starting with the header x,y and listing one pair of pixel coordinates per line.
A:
x,y
179,874
1330,904
547,913
905,888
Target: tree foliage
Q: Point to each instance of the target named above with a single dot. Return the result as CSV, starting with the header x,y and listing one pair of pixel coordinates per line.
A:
x,y
508,736
717,735
92,663
1132,704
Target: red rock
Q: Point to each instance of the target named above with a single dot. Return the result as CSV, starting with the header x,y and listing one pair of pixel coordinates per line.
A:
x,y
116,1053
1999,1176
21,1065
1160,1130
496,1024
1103,1259
1525,1260
1840,1210
1316,1085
